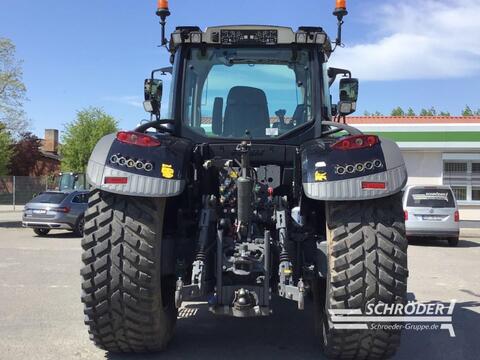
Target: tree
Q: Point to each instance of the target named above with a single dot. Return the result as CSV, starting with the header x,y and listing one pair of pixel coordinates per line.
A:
x,y
444,113
428,112
5,150
411,112
467,111
12,90
81,136
398,111
368,113
26,153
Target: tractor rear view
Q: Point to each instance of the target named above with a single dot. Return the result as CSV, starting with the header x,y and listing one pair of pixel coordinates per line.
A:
x,y
251,188
70,181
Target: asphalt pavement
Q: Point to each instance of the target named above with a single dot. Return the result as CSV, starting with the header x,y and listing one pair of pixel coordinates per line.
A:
x,y
41,314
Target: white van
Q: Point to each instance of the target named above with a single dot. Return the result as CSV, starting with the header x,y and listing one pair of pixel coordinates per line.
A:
x,y
431,211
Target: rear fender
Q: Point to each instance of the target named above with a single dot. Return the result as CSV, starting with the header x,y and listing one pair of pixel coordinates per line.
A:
x,y
167,177
323,177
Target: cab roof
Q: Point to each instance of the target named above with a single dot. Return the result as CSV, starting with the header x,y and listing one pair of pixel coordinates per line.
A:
x,y
259,35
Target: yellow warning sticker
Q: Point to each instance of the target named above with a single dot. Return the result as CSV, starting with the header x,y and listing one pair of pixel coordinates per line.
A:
x,y
167,171
320,176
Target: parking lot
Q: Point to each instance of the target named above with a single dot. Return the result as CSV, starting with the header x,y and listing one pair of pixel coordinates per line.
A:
x,y
41,314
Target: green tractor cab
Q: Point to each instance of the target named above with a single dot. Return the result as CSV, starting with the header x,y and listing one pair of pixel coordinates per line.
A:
x,y
71,181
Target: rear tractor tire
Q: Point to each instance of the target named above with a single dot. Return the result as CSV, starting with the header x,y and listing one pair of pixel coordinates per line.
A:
x,y
367,264
128,301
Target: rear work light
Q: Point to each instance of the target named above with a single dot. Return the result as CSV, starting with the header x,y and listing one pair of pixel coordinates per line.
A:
x,y
116,180
135,138
369,185
356,142
405,212
457,216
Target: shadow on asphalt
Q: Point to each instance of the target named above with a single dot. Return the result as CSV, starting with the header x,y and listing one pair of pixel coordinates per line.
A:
x,y
289,334
51,235
438,344
10,224
59,235
441,243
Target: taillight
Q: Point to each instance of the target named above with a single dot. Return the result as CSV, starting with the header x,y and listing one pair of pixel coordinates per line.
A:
x,y
457,216
370,185
356,142
405,212
116,180
135,138
61,210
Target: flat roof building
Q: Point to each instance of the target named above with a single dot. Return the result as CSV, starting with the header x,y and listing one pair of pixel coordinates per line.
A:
x,y
438,150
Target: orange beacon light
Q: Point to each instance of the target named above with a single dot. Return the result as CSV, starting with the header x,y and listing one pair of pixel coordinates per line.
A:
x,y
341,4
162,4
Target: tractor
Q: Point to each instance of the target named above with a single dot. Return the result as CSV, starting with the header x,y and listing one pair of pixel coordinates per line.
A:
x,y
70,181
252,186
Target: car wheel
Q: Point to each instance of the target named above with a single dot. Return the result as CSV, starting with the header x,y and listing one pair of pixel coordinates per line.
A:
x,y
41,232
80,226
453,242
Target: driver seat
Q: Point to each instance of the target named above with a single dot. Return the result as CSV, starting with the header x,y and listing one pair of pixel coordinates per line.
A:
x,y
247,109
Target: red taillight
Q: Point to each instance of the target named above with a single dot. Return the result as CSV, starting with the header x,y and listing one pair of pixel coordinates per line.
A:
x,y
405,212
356,142
457,216
135,138
116,180
65,210
369,185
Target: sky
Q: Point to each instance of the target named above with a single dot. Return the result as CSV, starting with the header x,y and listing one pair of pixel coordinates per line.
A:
x,y
77,54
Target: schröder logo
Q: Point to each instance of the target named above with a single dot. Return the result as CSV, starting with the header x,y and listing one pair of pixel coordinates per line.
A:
x,y
410,316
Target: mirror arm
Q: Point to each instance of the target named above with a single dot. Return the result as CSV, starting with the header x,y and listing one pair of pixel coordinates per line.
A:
x,y
334,72
152,75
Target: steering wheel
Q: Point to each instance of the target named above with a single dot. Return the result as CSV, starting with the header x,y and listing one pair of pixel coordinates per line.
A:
x,y
157,124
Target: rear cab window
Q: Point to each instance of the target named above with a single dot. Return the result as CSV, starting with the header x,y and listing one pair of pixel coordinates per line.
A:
x,y
430,197
50,198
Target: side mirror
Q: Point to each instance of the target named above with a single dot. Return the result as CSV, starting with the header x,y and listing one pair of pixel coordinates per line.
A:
x,y
348,96
153,96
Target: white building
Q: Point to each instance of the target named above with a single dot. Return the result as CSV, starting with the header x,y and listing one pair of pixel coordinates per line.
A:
x,y
437,150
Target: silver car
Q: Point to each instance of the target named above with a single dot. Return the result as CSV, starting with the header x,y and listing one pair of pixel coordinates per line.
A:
x,y
56,210
431,211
